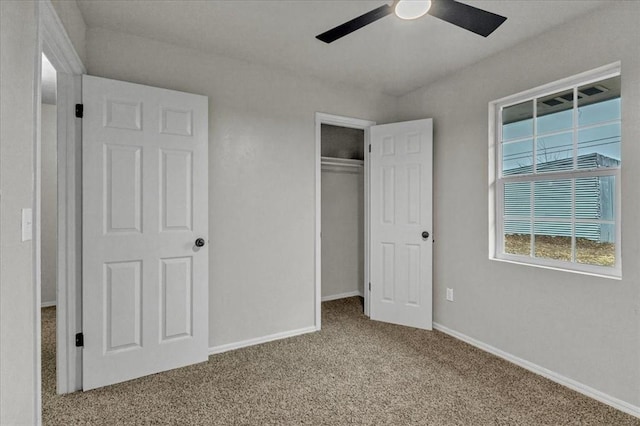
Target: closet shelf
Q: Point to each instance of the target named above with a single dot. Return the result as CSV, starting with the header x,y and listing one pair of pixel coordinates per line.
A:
x,y
341,162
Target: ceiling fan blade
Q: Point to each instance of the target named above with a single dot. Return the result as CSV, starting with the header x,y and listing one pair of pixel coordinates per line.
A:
x,y
355,24
468,17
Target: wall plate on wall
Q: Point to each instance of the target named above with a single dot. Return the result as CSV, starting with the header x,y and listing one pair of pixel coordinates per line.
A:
x,y
27,224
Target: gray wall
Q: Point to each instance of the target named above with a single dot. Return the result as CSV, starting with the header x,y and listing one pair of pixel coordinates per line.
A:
x,y
49,208
583,327
17,293
261,177
342,231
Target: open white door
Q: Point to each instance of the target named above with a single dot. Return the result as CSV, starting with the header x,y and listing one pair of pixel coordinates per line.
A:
x,y
401,216
145,280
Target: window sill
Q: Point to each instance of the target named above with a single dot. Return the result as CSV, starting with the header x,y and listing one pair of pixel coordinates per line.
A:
x,y
614,275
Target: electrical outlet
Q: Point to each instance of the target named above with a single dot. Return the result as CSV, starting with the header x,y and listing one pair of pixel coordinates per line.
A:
x,y
450,294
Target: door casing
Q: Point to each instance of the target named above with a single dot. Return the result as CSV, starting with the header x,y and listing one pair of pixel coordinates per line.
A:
x,y
57,46
53,41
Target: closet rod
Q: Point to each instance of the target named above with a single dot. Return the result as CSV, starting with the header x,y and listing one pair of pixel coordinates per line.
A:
x,y
341,162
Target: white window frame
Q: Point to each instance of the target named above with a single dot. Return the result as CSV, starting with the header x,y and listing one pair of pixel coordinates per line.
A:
x,y
496,181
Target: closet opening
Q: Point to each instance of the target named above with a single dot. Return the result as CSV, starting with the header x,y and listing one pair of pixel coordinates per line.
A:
x,y
341,211
342,202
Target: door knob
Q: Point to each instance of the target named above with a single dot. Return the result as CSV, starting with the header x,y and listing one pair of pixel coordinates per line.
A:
x,y
425,235
200,242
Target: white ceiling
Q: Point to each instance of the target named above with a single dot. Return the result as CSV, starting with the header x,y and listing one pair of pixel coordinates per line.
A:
x,y
391,55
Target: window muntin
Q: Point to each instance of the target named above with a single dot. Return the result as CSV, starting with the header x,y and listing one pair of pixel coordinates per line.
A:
x,y
558,163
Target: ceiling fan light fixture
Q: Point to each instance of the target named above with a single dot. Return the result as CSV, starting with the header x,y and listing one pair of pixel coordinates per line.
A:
x,y
411,9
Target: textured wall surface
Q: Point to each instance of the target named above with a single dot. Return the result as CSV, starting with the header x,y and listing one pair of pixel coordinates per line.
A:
x,y
583,327
17,293
342,231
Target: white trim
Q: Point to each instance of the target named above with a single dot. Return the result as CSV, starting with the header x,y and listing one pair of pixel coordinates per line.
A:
x,y
367,221
558,265
565,174
341,121
69,279
259,340
47,304
342,296
544,372
353,123
586,77
57,46
35,247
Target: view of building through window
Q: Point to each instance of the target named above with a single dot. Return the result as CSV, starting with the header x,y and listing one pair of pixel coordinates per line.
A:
x,y
560,156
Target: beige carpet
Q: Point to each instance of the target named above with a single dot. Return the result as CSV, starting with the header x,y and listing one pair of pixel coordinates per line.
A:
x,y
355,371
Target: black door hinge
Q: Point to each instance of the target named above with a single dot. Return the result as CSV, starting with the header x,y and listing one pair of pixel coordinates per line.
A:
x,y
79,110
369,147
79,340
369,286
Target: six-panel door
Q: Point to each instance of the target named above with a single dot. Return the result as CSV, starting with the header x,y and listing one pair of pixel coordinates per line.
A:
x,y
401,211
145,283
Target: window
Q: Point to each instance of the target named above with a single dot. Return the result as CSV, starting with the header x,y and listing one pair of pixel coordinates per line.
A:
x,y
557,174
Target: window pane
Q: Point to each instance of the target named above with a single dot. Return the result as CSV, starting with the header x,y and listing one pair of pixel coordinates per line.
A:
x,y
553,198
595,198
599,147
554,153
517,158
598,112
599,102
517,121
517,199
595,244
553,240
555,112
517,237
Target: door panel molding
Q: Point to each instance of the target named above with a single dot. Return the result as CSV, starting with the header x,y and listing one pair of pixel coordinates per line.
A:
x,y
400,223
145,203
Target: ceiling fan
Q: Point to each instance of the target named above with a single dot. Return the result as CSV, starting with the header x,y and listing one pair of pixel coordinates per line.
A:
x,y
468,17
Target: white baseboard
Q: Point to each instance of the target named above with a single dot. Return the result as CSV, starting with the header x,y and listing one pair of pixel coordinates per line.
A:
x,y
551,375
341,296
258,340
47,304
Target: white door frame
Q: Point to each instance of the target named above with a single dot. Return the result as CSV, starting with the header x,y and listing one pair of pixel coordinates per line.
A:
x,y
353,123
53,41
